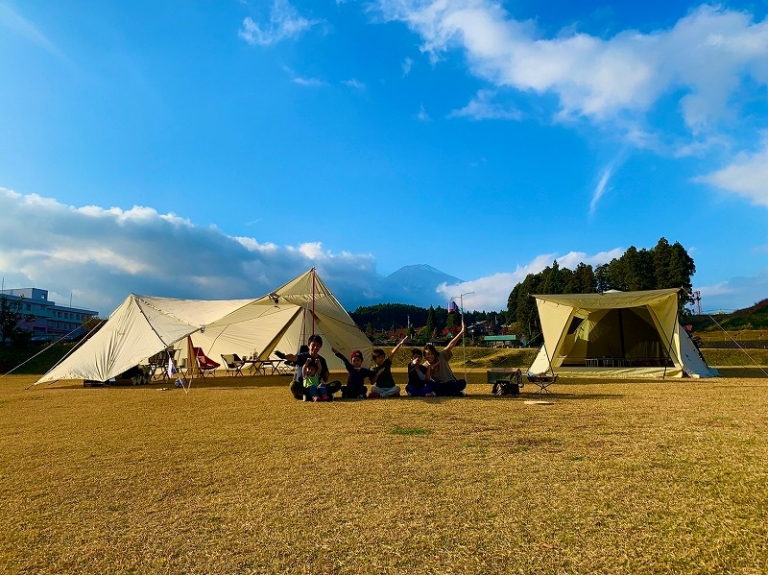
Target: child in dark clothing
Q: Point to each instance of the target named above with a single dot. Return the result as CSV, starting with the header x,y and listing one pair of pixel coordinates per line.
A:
x,y
355,387
383,384
418,384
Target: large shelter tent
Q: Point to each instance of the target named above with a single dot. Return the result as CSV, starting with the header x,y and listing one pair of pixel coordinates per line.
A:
x,y
624,334
283,320
142,327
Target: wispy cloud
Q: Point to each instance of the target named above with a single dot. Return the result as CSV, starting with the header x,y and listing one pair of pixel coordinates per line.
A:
x,y
600,189
309,82
605,176
296,79
284,23
354,84
482,107
13,21
407,66
422,115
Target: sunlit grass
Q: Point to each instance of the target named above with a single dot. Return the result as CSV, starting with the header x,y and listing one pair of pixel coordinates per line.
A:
x,y
238,477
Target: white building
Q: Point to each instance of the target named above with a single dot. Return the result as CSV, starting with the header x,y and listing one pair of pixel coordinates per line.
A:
x,y
50,319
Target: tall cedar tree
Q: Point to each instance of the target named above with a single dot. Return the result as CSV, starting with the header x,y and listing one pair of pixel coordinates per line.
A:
x,y
665,266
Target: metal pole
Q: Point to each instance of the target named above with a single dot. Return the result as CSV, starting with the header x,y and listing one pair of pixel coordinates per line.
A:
x,y
464,335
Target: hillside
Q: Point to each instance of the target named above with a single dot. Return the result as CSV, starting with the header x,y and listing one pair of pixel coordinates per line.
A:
x,y
752,319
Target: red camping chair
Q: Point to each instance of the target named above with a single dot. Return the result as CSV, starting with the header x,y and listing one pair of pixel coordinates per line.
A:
x,y
205,363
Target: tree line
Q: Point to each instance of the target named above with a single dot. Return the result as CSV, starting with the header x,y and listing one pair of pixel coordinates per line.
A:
x,y
664,266
421,323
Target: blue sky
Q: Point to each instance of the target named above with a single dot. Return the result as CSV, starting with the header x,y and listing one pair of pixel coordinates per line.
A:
x,y
220,148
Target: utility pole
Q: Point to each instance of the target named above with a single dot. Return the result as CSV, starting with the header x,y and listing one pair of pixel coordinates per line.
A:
x,y
463,335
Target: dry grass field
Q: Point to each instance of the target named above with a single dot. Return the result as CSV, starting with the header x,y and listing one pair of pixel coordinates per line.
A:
x,y
238,477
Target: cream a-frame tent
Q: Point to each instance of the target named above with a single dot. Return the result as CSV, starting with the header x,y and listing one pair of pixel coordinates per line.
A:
x,y
616,334
142,327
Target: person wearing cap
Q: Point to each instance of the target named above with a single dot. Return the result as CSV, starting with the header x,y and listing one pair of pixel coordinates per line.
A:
x,y
438,370
355,387
383,384
418,384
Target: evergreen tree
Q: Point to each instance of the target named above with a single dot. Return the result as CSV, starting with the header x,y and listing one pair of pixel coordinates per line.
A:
x,y
553,279
582,280
11,315
431,326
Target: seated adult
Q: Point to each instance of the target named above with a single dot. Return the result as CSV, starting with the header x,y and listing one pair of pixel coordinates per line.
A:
x,y
418,384
438,370
315,343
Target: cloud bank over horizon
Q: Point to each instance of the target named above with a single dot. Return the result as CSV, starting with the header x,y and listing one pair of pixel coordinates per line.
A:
x,y
99,255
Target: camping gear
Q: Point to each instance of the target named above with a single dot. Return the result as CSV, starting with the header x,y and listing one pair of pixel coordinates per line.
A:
x,y
144,326
615,334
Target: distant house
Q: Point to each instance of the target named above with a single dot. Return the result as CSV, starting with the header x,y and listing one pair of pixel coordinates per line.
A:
x,y
50,319
501,341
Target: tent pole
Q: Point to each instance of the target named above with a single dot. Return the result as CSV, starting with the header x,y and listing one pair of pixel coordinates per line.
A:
x,y
313,300
671,343
621,331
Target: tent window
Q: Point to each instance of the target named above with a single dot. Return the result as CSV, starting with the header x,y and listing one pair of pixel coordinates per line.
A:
x,y
575,323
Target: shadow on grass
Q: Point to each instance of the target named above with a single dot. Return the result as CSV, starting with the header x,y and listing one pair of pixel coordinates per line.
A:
x,y
745,372
224,383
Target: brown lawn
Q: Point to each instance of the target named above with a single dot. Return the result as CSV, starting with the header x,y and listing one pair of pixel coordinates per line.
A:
x,y
238,477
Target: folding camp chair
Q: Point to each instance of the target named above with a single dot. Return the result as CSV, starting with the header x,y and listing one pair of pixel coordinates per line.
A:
x,y
232,365
542,381
204,363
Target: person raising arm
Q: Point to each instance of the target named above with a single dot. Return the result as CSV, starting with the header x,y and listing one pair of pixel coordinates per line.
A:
x,y
439,371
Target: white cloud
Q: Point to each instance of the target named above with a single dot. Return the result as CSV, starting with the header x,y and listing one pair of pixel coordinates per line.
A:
x,y
482,107
602,184
407,66
735,293
599,189
285,22
309,82
492,292
702,59
354,84
422,116
102,254
746,176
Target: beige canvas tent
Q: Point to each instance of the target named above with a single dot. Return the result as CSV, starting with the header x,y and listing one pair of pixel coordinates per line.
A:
x,y
617,334
282,320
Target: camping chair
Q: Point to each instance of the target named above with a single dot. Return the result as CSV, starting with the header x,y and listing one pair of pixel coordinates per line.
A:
x,y
204,363
232,365
541,380
156,365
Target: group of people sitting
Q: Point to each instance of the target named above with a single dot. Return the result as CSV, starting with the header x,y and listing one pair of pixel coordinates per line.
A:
x,y
434,378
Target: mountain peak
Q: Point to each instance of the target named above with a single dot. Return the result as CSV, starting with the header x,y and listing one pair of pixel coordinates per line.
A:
x,y
417,283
